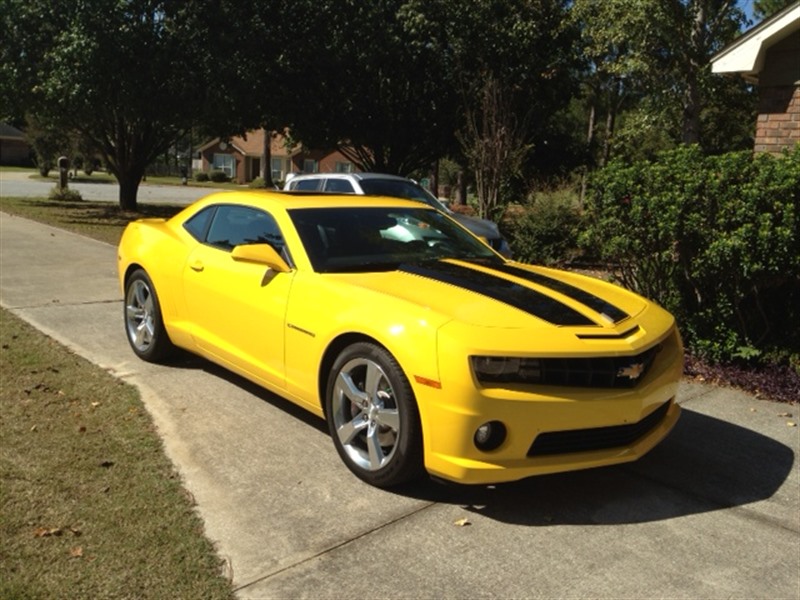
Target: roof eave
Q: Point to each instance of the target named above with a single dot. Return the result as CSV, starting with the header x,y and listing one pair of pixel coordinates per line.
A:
x,y
746,55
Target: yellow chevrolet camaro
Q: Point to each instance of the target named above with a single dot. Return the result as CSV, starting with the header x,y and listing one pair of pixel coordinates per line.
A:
x,y
423,349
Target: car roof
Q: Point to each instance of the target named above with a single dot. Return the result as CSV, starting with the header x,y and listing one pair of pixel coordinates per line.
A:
x,y
290,200
356,176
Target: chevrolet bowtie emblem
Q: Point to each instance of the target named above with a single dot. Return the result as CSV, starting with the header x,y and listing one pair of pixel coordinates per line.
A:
x,y
633,371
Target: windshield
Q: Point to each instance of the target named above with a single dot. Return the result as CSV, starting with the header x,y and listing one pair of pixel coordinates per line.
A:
x,y
380,238
398,188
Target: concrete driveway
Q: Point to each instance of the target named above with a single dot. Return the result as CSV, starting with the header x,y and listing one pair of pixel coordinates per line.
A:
x,y
714,512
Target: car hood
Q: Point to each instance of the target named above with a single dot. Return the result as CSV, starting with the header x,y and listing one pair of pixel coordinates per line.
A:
x,y
508,294
480,227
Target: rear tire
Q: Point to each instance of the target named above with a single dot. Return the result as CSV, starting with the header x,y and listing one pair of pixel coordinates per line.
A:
x,y
144,326
373,416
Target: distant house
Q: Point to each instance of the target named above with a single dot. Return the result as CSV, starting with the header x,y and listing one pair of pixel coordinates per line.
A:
x,y
768,56
14,150
240,157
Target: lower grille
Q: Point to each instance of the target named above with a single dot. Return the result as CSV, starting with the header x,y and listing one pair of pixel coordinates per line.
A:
x,y
600,438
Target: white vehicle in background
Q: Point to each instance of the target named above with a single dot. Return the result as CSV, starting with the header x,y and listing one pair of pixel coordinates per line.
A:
x,y
379,184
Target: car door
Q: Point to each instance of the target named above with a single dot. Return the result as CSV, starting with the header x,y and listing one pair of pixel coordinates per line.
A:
x,y
238,308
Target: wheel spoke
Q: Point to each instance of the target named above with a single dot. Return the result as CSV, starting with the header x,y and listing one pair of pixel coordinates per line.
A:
x,y
140,292
389,417
345,384
373,379
144,333
135,313
376,456
350,430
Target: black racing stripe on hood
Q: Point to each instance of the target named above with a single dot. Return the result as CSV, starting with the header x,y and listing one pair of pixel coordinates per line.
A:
x,y
500,289
594,302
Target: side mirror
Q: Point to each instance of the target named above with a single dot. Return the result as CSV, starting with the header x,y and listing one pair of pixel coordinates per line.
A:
x,y
262,254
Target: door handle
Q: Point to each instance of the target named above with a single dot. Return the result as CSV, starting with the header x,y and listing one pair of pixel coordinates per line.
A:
x,y
196,265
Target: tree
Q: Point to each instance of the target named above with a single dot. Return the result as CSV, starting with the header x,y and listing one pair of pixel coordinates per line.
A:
x,y
652,57
613,69
763,9
129,75
511,63
359,84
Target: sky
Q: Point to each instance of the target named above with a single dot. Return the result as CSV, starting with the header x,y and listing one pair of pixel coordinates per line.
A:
x,y
747,7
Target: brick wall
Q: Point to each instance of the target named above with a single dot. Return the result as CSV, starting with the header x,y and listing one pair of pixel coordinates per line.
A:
x,y
778,124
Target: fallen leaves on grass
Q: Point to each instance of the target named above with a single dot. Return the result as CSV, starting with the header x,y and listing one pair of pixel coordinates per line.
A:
x,y
47,532
41,532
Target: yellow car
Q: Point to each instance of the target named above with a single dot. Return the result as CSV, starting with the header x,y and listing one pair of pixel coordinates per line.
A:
x,y
423,349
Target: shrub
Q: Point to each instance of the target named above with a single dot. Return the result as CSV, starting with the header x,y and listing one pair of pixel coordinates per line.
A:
x,y
65,195
201,176
712,238
44,167
218,176
544,231
258,182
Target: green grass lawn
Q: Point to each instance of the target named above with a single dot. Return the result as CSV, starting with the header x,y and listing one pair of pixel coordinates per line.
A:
x,y
90,507
103,221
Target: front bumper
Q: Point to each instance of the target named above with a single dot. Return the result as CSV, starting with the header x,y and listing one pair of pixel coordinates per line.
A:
x,y
550,429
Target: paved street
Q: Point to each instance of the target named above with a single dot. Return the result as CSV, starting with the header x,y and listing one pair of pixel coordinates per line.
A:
x,y
20,183
714,512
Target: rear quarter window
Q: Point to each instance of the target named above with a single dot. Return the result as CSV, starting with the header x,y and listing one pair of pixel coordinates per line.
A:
x,y
341,186
306,185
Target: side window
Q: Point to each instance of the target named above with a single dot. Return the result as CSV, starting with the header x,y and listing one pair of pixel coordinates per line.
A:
x,y
307,185
198,224
339,185
237,225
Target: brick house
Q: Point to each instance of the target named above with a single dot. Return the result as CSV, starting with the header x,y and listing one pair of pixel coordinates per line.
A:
x,y
768,56
14,150
240,157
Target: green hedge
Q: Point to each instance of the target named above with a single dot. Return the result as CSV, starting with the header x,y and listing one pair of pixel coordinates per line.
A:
x,y
545,230
714,239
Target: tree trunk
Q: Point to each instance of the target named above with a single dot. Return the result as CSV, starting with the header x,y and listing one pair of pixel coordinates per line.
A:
x,y
589,142
266,160
692,100
461,189
435,179
128,190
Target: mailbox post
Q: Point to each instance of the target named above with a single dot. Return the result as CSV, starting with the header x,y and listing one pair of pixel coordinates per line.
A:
x,y
63,172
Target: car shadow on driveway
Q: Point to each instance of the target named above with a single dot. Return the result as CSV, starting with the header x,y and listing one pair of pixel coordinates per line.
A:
x,y
705,464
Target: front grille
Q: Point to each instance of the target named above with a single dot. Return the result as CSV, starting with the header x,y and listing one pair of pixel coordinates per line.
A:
x,y
607,372
600,438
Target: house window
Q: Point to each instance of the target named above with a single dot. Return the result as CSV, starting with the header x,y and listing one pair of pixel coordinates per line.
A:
x,y
278,169
225,163
310,166
344,167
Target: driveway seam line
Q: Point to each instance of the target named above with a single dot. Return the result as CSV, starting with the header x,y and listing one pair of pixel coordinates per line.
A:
x,y
334,547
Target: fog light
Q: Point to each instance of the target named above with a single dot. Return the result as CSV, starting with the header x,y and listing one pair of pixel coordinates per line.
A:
x,y
490,436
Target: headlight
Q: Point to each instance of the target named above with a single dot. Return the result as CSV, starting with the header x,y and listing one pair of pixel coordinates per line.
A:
x,y
502,369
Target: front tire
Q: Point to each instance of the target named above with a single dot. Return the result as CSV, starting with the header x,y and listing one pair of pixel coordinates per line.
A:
x,y
373,417
144,326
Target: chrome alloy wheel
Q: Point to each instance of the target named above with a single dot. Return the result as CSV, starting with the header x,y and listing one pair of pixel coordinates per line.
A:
x,y
365,415
140,315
